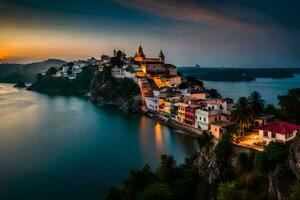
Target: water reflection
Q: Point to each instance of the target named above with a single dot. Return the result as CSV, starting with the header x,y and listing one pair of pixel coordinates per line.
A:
x,y
48,138
158,138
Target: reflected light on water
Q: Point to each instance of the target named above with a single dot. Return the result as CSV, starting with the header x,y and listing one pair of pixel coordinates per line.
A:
x,y
158,137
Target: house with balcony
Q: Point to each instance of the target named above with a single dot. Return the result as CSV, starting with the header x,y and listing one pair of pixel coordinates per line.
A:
x,y
181,112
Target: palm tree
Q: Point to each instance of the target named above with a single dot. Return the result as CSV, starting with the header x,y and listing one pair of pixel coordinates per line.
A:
x,y
242,115
256,103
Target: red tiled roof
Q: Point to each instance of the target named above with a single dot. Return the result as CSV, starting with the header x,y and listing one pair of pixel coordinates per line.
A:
x,y
279,127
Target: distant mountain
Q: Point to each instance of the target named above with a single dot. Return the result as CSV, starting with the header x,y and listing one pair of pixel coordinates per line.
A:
x,y
26,72
43,66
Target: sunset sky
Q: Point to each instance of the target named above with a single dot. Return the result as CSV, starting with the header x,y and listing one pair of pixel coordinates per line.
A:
x,y
213,33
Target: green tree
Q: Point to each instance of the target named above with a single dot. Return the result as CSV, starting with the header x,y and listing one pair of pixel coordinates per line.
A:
x,y
289,105
242,115
205,139
295,191
156,191
165,171
267,160
39,76
117,60
256,183
256,103
51,71
228,191
191,82
136,182
213,93
272,110
224,148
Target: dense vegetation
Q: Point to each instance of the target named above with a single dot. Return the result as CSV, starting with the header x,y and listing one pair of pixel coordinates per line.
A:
x,y
237,74
170,181
243,175
123,92
167,182
289,105
53,85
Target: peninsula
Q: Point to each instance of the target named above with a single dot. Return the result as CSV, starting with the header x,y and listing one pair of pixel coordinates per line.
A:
x,y
235,138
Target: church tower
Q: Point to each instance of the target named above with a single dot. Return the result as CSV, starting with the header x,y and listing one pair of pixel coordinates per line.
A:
x,y
161,56
140,56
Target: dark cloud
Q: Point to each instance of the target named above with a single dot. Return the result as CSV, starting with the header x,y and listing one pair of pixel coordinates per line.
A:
x,y
209,32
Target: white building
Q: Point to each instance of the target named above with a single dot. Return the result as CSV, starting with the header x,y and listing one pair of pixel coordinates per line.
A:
x,y
225,105
277,131
71,71
205,117
118,72
153,103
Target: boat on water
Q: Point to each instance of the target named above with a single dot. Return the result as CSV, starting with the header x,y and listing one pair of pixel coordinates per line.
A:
x,y
197,65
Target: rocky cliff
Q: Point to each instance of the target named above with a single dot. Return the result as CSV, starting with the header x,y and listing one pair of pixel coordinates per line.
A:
x,y
294,157
207,165
279,182
284,175
121,92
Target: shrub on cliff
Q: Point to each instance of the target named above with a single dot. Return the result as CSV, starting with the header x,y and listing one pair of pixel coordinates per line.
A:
x,y
116,90
157,191
295,191
167,182
229,191
51,71
267,160
224,148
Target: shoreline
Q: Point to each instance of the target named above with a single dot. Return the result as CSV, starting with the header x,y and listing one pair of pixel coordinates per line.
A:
x,y
178,127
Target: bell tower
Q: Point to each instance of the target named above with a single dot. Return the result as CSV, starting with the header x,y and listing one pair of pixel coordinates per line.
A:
x,y
161,56
140,56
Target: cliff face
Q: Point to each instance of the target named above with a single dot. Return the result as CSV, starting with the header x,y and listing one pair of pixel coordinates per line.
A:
x,y
207,165
280,179
283,176
120,92
294,157
279,182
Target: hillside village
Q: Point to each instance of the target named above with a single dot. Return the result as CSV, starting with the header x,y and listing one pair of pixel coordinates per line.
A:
x,y
190,108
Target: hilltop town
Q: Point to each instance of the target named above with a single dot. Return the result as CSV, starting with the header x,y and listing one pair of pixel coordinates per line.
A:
x,y
141,83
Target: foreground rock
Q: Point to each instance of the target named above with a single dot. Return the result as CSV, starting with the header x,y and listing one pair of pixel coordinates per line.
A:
x,y
294,157
207,165
279,181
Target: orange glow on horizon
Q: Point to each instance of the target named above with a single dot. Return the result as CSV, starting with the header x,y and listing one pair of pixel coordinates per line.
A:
x,y
4,56
31,45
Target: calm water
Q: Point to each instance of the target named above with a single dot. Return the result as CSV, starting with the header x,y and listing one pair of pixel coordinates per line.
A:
x,y
268,88
66,148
